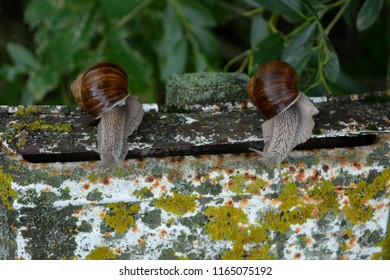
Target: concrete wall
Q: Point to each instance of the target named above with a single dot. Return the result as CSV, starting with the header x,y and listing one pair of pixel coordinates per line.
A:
x,y
190,189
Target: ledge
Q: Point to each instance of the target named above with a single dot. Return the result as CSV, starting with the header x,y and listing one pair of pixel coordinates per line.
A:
x,y
189,189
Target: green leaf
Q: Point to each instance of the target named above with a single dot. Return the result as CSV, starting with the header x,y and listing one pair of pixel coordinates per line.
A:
x,y
301,41
332,67
11,72
200,61
173,31
289,9
37,11
42,81
118,8
300,59
197,13
313,7
174,61
345,84
259,30
269,49
208,44
21,56
137,68
368,13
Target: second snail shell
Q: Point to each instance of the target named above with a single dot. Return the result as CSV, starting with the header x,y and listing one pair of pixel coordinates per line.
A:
x,y
274,88
289,113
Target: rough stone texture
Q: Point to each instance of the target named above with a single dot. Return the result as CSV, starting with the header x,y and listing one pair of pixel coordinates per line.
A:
x,y
206,88
175,200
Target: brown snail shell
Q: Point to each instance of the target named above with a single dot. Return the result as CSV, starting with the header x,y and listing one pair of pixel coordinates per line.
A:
x,y
273,88
102,92
101,87
289,112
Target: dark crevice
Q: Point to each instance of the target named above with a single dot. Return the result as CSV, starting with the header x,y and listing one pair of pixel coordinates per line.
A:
x,y
186,150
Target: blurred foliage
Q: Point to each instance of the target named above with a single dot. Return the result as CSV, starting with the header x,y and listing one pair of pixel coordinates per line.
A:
x,y
44,44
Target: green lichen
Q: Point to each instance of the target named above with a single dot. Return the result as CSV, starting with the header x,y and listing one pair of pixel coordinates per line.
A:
x,y
230,223
49,231
152,218
209,188
120,216
85,227
202,87
240,185
101,253
143,193
93,177
65,193
28,110
386,242
41,125
6,191
178,204
95,195
358,211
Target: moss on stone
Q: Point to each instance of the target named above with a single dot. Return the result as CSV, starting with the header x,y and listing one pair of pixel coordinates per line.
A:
x,y
120,216
41,125
206,87
6,191
24,111
178,204
101,253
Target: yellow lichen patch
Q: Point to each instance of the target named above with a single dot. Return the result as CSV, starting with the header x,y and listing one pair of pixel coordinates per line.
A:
x,y
142,193
230,223
6,191
292,210
224,222
41,125
178,204
121,217
240,185
358,211
326,198
101,253
260,253
283,220
28,110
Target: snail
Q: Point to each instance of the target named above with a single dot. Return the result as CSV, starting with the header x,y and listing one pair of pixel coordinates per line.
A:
x,y
289,112
102,91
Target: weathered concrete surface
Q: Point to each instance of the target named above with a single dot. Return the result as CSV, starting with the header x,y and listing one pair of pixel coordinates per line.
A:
x,y
333,204
51,133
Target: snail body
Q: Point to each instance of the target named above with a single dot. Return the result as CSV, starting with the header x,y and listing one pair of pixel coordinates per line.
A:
x,y
289,112
102,92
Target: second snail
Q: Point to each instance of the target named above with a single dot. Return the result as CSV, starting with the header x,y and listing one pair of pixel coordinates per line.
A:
x,y
102,91
289,112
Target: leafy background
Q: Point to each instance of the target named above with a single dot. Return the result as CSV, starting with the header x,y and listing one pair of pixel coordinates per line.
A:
x,y
338,47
